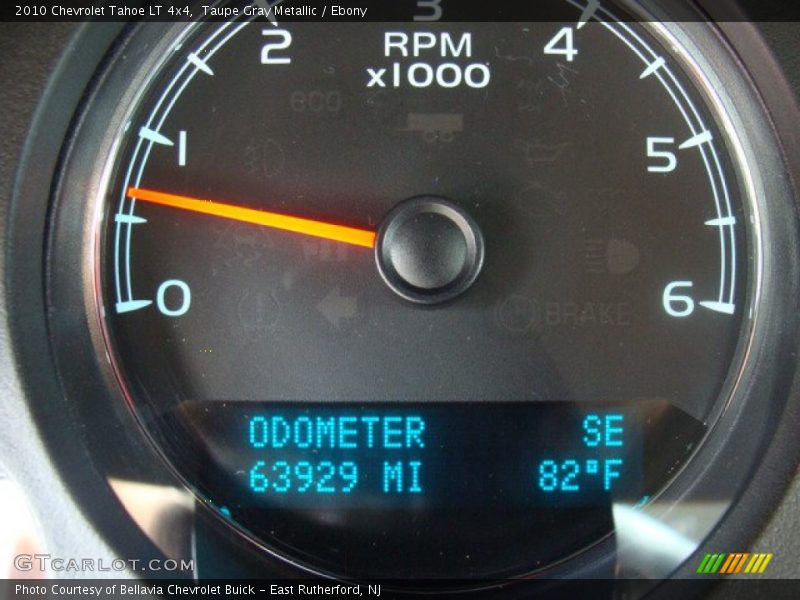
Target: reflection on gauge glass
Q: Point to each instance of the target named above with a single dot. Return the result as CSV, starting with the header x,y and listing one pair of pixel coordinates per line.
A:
x,y
444,292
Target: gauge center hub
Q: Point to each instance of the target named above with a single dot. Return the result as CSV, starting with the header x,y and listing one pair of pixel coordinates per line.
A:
x,y
429,250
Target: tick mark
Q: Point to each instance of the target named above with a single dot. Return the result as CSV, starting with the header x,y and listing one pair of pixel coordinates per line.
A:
x,y
653,67
155,137
727,308
199,63
696,140
722,221
588,12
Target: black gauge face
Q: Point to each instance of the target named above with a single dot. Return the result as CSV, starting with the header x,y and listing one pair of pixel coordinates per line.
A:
x,y
443,292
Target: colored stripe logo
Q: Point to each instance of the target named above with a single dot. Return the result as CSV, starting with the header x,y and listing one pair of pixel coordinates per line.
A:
x,y
736,562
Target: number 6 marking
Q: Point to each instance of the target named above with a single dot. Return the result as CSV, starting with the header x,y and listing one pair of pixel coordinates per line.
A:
x,y
677,305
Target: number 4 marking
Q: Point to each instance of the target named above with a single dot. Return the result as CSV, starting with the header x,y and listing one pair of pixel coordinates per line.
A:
x,y
568,49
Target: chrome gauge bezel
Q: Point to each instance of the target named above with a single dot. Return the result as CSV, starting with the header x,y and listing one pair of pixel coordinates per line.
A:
x,y
668,38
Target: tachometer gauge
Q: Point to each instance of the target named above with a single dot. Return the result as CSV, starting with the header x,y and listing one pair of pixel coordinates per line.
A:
x,y
425,299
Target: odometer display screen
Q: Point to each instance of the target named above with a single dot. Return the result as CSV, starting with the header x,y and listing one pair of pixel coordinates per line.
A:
x,y
437,456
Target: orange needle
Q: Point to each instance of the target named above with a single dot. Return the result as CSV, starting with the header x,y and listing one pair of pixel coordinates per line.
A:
x,y
320,229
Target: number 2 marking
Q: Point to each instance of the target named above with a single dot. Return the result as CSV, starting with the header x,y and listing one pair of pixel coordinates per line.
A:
x,y
282,44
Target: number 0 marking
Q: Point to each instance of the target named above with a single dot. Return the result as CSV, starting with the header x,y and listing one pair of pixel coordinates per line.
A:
x,y
185,303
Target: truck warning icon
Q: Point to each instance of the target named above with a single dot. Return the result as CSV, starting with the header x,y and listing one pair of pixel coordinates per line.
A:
x,y
435,127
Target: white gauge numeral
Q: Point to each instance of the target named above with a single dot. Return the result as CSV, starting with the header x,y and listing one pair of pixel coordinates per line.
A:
x,y
282,43
186,298
666,160
433,10
568,49
677,305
